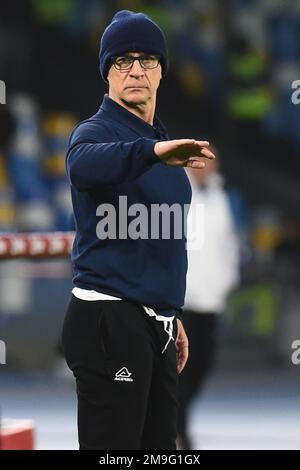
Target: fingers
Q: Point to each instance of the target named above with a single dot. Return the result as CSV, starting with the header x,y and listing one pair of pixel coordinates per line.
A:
x,y
197,164
196,147
184,152
207,154
180,142
200,143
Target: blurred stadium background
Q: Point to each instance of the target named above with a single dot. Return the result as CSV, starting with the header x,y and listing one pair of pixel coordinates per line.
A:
x,y
232,65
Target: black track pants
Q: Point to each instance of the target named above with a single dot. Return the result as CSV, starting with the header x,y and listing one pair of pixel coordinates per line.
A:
x,y
127,389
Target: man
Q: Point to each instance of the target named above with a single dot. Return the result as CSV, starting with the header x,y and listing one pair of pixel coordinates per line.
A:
x,y
213,271
118,331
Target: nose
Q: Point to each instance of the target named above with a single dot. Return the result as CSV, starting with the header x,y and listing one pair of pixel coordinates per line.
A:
x,y
136,70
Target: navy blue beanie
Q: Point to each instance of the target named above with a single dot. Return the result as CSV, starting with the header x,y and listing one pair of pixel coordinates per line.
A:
x,y
131,32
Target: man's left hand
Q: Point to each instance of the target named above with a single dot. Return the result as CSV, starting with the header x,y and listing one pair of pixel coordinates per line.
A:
x,y
182,347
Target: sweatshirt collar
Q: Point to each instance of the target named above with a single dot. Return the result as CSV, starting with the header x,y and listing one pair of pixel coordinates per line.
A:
x,y
128,119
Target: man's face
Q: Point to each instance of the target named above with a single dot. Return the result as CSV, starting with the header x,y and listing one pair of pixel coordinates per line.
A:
x,y
135,86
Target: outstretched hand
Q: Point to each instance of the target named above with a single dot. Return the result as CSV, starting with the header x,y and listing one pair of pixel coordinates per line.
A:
x,y
184,152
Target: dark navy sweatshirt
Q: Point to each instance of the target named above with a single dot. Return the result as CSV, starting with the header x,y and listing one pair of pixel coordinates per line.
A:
x,y
111,156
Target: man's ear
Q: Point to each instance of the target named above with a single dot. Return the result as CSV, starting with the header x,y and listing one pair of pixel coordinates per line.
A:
x,y
109,73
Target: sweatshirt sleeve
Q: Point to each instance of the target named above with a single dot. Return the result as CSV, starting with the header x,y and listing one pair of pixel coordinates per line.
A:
x,y
95,157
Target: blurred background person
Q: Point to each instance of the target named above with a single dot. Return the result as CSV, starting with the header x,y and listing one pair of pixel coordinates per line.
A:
x,y
213,271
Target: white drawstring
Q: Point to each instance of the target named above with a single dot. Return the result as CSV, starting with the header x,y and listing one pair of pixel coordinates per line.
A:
x,y
168,324
169,332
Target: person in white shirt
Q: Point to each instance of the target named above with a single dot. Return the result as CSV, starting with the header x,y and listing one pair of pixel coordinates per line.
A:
x,y
213,271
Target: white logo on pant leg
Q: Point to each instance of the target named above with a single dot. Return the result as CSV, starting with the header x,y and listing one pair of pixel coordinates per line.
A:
x,y
123,375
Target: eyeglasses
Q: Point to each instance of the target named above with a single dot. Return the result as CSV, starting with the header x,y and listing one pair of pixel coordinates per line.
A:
x,y
125,62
